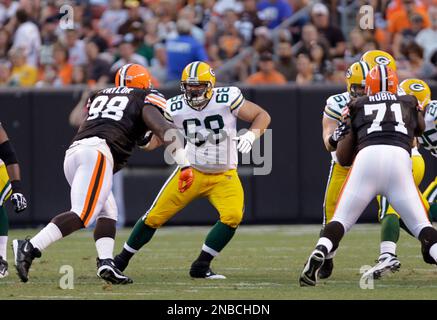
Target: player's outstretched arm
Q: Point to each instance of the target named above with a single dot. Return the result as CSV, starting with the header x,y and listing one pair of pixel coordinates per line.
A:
x,y
329,126
259,119
7,154
159,126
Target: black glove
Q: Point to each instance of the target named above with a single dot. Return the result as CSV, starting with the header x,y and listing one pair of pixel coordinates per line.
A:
x,y
146,139
17,198
339,133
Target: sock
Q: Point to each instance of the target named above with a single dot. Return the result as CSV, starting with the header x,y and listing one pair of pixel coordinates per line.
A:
x,y
218,238
46,236
390,228
331,254
105,248
388,247
325,245
140,235
207,254
433,251
4,228
3,246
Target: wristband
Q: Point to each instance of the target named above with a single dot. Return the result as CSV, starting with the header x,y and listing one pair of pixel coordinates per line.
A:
x,y
332,142
7,153
16,186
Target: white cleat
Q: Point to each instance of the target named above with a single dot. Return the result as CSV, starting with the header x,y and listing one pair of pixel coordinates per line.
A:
x,y
386,263
3,268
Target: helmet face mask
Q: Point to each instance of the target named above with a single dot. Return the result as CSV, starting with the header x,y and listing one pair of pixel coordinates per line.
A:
x,y
196,93
357,90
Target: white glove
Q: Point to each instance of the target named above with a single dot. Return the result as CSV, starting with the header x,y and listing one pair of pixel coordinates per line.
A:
x,y
245,141
19,202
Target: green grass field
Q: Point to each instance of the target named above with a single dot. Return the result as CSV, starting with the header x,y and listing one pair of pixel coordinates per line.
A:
x,y
260,263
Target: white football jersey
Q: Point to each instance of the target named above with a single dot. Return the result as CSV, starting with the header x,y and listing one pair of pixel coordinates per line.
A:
x,y
209,131
333,109
429,137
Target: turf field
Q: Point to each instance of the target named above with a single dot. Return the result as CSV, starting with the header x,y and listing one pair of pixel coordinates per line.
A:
x,y
260,263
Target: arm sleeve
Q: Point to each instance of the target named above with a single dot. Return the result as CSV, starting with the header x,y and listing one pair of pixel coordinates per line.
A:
x,y
236,99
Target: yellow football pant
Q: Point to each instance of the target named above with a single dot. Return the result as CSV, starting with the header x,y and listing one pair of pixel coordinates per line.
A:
x,y
418,173
431,191
338,174
5,185
224,191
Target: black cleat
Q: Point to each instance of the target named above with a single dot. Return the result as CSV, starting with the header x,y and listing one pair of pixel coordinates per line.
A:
x,y
326,270
107,271
310,272
120,263
3,268
24,253
201,269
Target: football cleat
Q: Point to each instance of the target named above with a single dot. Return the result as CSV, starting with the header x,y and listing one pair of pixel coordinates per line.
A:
x,y
386,263
24,253
201,269
326,269
3,268
107,271
310,272
120,263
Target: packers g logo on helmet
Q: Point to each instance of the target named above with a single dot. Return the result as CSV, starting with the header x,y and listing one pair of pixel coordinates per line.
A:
x,y
419,89
356,78
197,83
375,57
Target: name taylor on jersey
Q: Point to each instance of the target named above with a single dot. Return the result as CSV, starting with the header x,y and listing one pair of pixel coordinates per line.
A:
x,y
209,131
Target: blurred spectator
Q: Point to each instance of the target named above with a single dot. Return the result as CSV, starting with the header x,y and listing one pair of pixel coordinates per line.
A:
x,y
333,35
27,37
49,77
5,43
183,50
76,48
127,55
356,47
427,38
222,5
267,73
322,66
305,72
273,12
310,35
8,8
413,65
159,65
79,75
286,64
63,66
22,73
113,17
5,74
405,37
134,15
188,13
401,19
249,21
98,69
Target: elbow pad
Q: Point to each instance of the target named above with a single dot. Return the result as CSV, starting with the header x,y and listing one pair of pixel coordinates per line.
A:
x,y
7,153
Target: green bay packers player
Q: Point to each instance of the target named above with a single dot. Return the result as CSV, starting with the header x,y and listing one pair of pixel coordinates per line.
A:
x,y
208,117
428,140
333,131
10,186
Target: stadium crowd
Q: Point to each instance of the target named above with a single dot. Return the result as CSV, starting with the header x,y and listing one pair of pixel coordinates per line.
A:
x,y
247,41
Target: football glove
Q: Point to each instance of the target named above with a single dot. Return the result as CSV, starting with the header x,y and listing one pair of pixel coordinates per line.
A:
x,y
186,177
245,141
19,202
339,133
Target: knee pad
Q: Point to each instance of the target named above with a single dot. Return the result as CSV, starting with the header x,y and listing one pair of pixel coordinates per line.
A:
x,y
428,237
154,221
232,220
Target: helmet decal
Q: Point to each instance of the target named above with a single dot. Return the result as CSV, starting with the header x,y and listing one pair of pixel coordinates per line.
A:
x,y
382,60
417,87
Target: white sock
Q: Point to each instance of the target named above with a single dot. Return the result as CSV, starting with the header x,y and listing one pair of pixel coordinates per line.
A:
x,y
326,243
209,250
433,251
46,236
388,247
105,248
3,246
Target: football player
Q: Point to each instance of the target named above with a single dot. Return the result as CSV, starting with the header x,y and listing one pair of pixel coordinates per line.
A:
x,y
383,127
428,139
208,117
117,118
10,186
